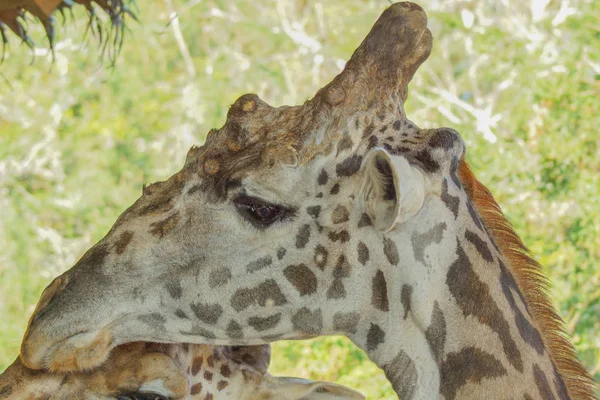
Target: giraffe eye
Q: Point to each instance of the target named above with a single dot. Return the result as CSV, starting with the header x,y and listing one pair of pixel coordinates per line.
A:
x,y
258,212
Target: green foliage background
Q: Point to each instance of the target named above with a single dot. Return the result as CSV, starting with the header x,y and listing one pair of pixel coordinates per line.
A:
x,y
519,80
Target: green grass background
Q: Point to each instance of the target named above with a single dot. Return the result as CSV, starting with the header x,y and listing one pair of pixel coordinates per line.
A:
x,y
520,80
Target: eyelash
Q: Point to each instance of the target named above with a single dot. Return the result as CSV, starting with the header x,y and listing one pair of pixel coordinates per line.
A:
x,y
141,396
260,213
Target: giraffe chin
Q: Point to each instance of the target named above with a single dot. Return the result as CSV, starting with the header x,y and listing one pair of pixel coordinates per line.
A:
x,y
80,352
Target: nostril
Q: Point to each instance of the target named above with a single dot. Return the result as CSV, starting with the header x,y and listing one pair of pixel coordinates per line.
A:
x,y
54,287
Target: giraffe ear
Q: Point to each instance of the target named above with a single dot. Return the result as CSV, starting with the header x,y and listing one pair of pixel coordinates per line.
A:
x,y
392,189
304,389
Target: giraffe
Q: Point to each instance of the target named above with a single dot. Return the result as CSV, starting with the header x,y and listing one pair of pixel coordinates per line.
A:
x,y
153,371
339,216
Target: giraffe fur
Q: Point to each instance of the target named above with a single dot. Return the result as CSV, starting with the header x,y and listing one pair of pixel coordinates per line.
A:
x,y
339,216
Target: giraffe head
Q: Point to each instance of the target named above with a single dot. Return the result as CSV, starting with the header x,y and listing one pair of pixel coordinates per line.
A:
x,y
276,228
151,371
339,216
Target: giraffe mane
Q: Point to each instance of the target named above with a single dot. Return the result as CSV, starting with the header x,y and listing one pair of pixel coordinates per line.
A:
x,y
533,284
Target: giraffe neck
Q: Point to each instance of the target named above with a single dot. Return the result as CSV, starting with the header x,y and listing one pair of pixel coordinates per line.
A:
x,y
210,372
458,326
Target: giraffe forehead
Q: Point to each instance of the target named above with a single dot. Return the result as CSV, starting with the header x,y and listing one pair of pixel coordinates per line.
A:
x,y
254,133
256,137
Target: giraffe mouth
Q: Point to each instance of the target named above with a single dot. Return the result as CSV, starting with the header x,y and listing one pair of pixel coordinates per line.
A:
x,y
85,350
78,352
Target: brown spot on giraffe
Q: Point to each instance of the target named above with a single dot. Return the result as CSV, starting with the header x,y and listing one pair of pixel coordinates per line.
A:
x,y
527,331
346,322
375,337
281,253
391,251
303,236
208,313
340,215
452,202
436,333
374,140
345,144
405,296
342,267
473,297
444,138
243,298
225,370
402,374
336,290
425,161
208,376
342,270
222,385
342,236
303,279
6,391
161,204
308,322
314,211
219,277
95,255
474,216
365,220
468,365
379,295
259,264
196,389
323,178
320,257
174,288
561,388
368,130
197,365
263,324
154,320
363,253
123,241
480,245
542,384
163,227
268,291
349,166
234,330
420,241
335,189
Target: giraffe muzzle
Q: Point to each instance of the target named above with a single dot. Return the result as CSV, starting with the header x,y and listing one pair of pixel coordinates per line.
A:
x,y
54,340
79,352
